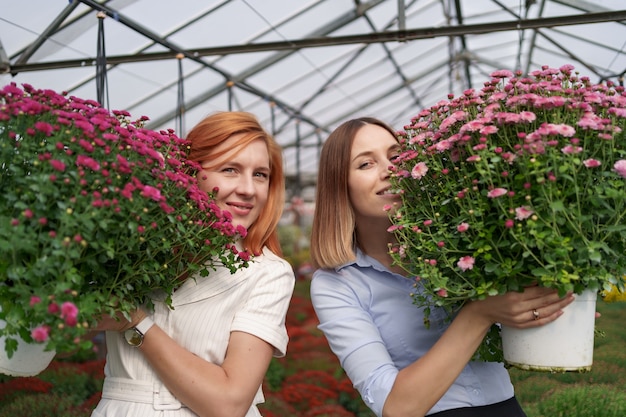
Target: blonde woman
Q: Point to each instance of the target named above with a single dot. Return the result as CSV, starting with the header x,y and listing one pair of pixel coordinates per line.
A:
x,y
364,305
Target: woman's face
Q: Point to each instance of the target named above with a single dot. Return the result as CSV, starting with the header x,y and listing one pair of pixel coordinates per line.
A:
x,y
373,151
242,180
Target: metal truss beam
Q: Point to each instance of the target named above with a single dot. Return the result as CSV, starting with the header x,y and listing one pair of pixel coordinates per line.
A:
x,y
391,36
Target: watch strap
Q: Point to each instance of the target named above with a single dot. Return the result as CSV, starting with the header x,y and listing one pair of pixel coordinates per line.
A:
x,y
144,325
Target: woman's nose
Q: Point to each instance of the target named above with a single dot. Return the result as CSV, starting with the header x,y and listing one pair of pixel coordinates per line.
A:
x,y
385,168
245,185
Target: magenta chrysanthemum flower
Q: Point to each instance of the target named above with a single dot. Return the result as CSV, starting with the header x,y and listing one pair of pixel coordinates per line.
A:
x,y
151,192
69,312
57,165
45,128
40,333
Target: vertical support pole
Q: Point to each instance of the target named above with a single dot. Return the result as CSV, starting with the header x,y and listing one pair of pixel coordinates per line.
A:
x,y
230,85
102,94
180,106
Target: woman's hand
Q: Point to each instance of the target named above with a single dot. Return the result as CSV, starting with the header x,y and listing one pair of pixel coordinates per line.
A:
x,y
119,323
533,307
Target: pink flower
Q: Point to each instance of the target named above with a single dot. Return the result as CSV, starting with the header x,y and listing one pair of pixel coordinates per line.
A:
x,y
527,116
462,227
497,192
591,163
465,263
57,165
522,213
34,300
40,333
87,162
419,170
502,74
620,168
69,312
509,223
569,149
86,145
152,193
565,130
488,130
45,128
442,292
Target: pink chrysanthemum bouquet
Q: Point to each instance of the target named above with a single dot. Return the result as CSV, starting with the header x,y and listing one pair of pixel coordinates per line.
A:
x,y
519,183
96,213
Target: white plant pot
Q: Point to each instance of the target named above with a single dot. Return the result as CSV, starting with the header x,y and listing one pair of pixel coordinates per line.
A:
x,y
29,359
566,344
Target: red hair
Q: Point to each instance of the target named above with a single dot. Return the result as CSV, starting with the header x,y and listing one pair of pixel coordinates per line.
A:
x,y
215,129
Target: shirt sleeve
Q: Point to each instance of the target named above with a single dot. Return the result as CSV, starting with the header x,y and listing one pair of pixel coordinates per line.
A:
x,y
265,310
354,338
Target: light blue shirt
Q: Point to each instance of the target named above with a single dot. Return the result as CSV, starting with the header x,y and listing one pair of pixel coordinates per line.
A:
x,y
368,316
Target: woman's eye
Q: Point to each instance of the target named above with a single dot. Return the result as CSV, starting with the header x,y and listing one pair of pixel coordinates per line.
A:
x,y
262,174
394,158
364,165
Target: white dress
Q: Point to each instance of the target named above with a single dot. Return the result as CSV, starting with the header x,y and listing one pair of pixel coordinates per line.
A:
x,y
205,311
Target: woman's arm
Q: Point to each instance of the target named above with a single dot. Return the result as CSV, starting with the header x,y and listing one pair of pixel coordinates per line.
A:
x,y
442,364
208,389
256,332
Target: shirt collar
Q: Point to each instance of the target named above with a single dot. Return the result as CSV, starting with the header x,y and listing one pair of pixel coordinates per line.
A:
x,y
363,260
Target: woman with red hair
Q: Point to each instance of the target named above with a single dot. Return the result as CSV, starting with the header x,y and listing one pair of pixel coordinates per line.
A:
x,y
208,354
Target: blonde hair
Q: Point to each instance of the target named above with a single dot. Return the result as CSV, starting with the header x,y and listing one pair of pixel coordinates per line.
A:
x,y
215,129
332,234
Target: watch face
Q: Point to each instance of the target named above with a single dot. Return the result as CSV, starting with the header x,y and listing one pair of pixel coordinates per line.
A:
x,y
133,337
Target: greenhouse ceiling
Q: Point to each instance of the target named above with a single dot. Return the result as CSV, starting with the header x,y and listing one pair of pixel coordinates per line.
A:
x,y
303,66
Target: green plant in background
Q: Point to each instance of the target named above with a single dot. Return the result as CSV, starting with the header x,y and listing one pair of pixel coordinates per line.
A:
x,y
519,183
580,401
96,212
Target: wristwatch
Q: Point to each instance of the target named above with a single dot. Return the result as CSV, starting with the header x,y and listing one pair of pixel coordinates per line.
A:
x,y
134,335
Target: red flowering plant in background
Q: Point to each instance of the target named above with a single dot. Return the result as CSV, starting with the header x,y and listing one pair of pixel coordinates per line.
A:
x,y
519,183
96,213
